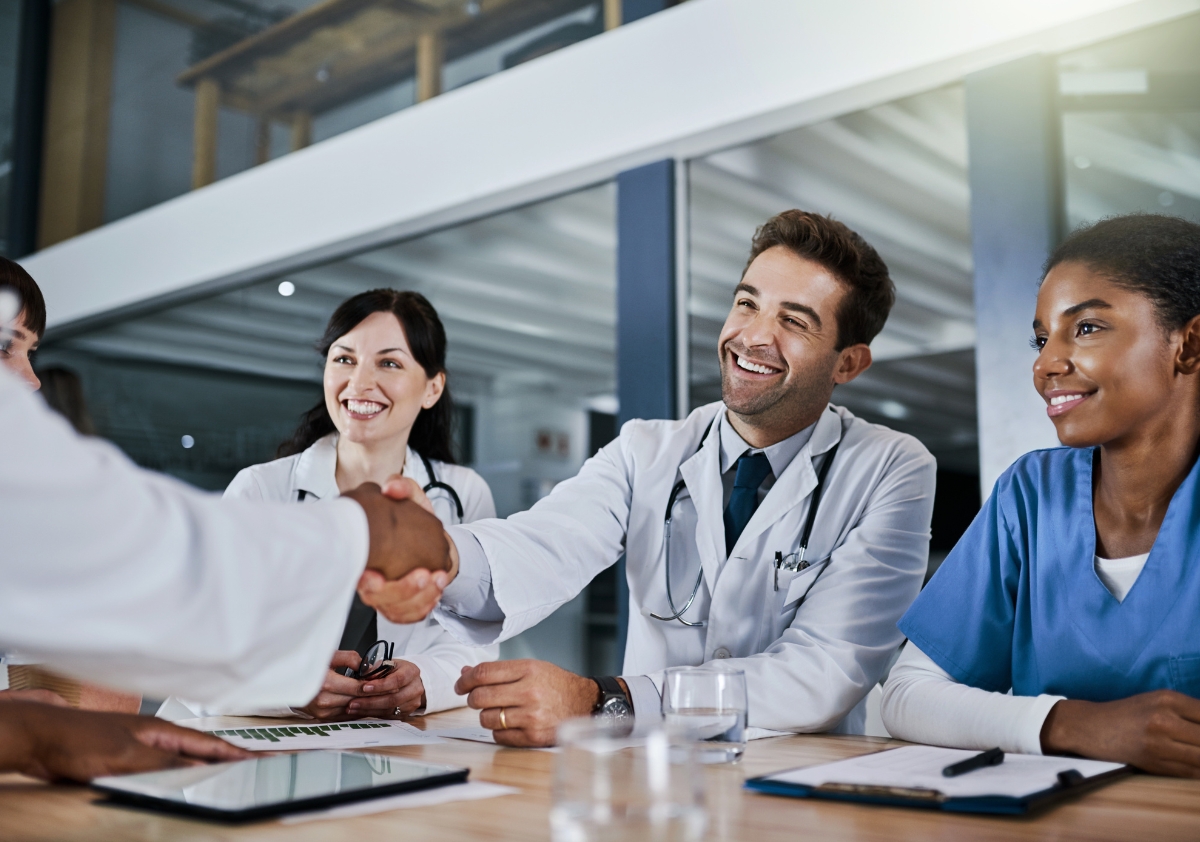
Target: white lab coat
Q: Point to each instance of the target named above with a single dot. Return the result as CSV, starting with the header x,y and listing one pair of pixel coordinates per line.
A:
x,y
128,578
808,669
439,655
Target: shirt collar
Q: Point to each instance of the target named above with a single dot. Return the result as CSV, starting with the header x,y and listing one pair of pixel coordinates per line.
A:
x,y
780,454
316,471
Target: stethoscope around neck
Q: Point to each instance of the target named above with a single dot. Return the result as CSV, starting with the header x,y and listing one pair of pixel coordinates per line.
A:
x,y
677,613
434,483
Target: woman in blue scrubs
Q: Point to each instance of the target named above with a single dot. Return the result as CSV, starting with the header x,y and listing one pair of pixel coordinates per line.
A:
x,y
1077,587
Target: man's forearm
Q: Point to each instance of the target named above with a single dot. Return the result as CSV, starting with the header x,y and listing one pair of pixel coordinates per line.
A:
x,y
470,594
16,744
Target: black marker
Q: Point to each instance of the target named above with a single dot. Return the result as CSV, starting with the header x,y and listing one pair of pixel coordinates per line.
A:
x,y
991,757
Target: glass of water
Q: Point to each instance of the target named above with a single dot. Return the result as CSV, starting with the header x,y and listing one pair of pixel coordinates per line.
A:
x,y
708,704
609,785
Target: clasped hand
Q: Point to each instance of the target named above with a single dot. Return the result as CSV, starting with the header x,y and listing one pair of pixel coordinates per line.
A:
x,y
343,698
411,560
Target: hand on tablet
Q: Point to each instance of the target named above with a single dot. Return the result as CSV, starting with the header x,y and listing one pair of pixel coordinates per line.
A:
x,y
55,743
343,698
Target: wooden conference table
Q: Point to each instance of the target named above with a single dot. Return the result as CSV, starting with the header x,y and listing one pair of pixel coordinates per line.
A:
x,y
1139,807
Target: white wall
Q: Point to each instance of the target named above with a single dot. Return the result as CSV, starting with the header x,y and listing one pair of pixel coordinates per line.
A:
x,y
700,76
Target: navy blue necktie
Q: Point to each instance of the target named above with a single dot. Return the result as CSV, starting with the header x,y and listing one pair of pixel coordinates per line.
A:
x,y
751,471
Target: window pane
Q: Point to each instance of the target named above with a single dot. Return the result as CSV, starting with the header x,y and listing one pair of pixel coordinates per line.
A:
x,y
528,300
897,174
292,73
1131,125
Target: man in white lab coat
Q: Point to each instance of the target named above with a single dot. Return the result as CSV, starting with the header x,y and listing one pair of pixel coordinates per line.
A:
x,y
813,630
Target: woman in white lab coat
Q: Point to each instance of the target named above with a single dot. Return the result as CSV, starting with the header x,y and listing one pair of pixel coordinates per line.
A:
x,y
386,410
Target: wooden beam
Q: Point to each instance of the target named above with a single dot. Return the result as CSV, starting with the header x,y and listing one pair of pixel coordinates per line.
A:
x,y
208,108
278,72
612,14
170,12
78,91
301,130
430,49
262,141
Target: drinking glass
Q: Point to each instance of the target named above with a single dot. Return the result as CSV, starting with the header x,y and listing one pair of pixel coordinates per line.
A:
x,y
609,785
708,704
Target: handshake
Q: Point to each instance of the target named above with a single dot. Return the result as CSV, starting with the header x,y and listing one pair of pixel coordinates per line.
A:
x,y
411,560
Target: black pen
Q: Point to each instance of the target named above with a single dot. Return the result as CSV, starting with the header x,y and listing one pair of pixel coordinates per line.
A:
x,y
991,757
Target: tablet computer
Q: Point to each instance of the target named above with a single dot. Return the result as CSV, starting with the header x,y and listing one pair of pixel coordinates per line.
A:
x,y
263,787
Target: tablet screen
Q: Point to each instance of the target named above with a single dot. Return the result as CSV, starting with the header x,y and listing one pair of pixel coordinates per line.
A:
x,y
269,785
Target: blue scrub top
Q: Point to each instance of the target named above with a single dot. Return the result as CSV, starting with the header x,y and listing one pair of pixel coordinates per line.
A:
x,y
1017,603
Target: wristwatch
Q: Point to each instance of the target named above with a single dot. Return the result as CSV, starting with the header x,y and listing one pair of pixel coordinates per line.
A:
x,y
614,704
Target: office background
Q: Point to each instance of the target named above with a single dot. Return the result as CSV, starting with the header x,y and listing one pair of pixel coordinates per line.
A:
x,y
197,183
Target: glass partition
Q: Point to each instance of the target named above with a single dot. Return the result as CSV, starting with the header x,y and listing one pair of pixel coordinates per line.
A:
x,y
1131,125
527,298
897,174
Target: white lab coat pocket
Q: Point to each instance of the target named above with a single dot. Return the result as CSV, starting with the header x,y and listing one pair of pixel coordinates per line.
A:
x,y
800,582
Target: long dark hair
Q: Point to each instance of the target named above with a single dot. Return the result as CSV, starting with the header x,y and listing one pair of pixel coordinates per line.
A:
x,y
431,432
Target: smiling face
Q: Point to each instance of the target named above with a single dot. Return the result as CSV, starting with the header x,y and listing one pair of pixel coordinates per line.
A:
x,y
778,349
374,388
1105,366
17,357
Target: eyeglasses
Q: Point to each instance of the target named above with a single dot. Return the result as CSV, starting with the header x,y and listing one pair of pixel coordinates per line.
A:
x,y
376,663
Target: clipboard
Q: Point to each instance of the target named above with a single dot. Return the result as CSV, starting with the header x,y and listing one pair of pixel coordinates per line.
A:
x,y
911,777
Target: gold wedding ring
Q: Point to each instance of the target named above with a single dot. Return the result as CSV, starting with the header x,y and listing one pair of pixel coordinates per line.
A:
x,y
503,722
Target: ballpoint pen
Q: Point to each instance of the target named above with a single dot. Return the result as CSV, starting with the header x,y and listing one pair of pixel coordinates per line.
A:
x,y
991,757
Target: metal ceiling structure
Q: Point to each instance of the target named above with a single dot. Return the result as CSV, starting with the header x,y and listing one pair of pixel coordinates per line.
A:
x,y
528,295
527,298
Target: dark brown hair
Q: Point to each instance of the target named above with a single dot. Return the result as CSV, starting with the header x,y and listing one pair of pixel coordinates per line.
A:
x,y
63,392
431,432
33,306
851,259
1154,255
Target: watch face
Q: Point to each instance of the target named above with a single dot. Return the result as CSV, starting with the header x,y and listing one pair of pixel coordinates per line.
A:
x,y
616,708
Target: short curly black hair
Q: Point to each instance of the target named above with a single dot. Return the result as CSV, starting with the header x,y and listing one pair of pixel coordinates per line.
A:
x,y
33,306
1151,254
850,258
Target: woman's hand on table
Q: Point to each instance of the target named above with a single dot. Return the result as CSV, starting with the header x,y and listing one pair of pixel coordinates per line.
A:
x,y
54,743
343,698
1158,732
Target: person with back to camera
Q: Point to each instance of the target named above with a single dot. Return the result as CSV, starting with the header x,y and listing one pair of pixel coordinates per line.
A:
x,y
386,411
1077,585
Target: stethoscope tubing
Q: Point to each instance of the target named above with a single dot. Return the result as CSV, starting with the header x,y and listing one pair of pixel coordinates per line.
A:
x,y
677,613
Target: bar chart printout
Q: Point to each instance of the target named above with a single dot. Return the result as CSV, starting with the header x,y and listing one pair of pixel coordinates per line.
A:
x,y
331,735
